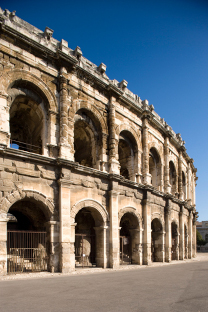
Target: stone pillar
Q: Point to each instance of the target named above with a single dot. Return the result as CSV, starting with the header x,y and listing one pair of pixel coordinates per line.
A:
x,y
114,230
166,170
139,177
180,180
190,221
114,166
66,151
161,186
101,246
3,246
163,247
145,133
189,183
168,236
53,242
67,257
104,157
194,243
52,139
4,121
177,246
193,187
181,231
146,211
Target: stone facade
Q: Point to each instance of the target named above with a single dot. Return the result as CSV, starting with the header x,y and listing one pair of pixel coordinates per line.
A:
x,y
86,160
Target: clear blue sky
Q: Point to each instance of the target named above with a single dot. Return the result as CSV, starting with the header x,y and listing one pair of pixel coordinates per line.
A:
x,y
159,47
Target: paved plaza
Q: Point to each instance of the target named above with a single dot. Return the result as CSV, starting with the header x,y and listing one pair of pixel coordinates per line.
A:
x,y
174,287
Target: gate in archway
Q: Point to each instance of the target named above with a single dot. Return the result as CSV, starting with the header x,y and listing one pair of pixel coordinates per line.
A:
x,y
26,251
125,250
85,250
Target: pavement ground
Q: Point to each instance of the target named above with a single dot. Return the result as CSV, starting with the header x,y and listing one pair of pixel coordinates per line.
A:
x,y
169,287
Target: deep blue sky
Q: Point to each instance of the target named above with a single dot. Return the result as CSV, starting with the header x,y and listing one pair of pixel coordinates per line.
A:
x,y
159,47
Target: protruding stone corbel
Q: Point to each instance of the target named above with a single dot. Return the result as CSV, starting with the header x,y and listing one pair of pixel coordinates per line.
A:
x,y
64,46
123,84
48,33
102,68
78,52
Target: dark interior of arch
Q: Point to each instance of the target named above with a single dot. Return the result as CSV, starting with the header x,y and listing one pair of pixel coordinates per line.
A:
x,y
126,153
27,216
156,225
128,222
87,138
174,229
172,177
26,124
31,89
85,222
154,167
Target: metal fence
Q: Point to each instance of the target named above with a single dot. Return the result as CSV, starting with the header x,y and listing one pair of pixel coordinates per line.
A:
x,y
85,250
25,147
26,251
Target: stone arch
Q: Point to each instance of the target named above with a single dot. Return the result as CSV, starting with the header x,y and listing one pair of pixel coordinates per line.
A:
x,y
91,108
131,210
88,202
130,225
155,167
22,75
18,195
173,177
159,216
133,132
127,146
158,150
90,130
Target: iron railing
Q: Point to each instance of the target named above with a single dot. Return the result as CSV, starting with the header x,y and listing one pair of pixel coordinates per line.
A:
x,y
23,146
26,251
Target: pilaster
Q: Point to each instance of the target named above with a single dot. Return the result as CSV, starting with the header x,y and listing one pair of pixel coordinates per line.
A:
x,y
166,170
114,166
180,180
182,235
168,235
66,151
194,243
3,246
145,135
4,121
190,221
146,209
114,229
67,258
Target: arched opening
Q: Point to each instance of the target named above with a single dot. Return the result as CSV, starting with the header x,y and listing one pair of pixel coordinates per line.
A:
x,y
27,119
89,240
174,248
172,177
206,238
87,139
155,168
129,239
27,237
185,242
127,155
184,184
157,244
